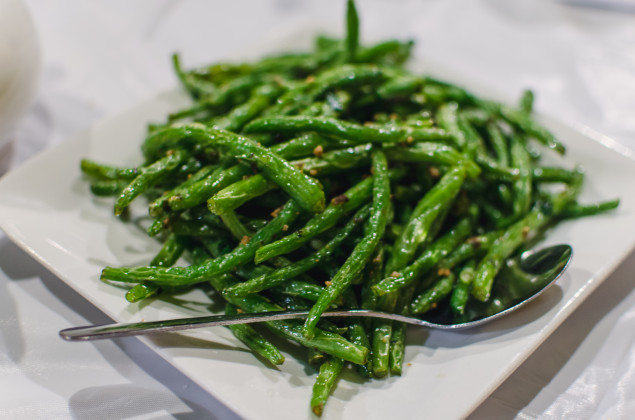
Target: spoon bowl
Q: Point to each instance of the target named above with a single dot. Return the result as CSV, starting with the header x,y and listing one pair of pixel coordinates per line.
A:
x,y
521,280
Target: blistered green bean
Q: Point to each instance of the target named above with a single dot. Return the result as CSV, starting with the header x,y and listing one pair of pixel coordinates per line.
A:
x,y
147,177
431,256
282,274
193,274
255,341
305,190
362,252
346,130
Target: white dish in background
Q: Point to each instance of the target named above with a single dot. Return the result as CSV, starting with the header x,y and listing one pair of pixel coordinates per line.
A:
x,y
20,58
48,210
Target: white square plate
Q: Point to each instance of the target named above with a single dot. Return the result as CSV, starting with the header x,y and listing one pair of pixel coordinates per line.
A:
x,y
48,210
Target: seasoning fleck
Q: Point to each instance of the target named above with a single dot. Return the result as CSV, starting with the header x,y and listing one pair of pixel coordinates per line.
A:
x,y
444,272
340,199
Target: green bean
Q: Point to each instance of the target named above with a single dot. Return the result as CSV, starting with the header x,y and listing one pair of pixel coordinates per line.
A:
x,y
428,210
221,72
346,130
374,273
324,383
234,225
141,291
398,332
522,187
347,202
336,161
448,118
575,210
233,196
157,208
433,153
172,249
474,146
527,101
553,174
517,118
157,226
461,292
192,84
400,87
356,331
297,303
252,339
194,227
499,143
428,300
233,91
472,247
147,177
324,42
243,253
357,334
531,127
242,114
502,248
343,77
101,171
244,190
362,252
327,342
302,188
315,357
397,348
303,95
288,65
382,331
300,64
199,190
496,172
424,214
308,291
430,256
303,146
341,205
504,194
560,201
170,252
492,213
477,117
352,30
108,188
266,281
454,93
387,53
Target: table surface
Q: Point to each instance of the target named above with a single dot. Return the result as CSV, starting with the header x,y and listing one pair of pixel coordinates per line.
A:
x,y
103,56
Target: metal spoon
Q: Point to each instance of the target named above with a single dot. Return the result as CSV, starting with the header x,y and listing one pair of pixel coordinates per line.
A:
x,y
522,280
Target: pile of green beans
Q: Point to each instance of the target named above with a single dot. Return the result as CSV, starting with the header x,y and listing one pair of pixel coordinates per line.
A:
x,y
337,178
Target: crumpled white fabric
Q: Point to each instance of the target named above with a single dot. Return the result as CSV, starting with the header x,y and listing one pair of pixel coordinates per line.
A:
x,y
42,377
586,369
100,57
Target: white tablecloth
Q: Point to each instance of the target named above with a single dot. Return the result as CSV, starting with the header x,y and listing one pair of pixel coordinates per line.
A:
x,y
100,57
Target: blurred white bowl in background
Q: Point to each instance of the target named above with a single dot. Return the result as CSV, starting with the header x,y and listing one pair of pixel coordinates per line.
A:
x,y
19,65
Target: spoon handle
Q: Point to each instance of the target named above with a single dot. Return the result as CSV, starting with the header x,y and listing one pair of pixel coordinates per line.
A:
x,y
97,332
